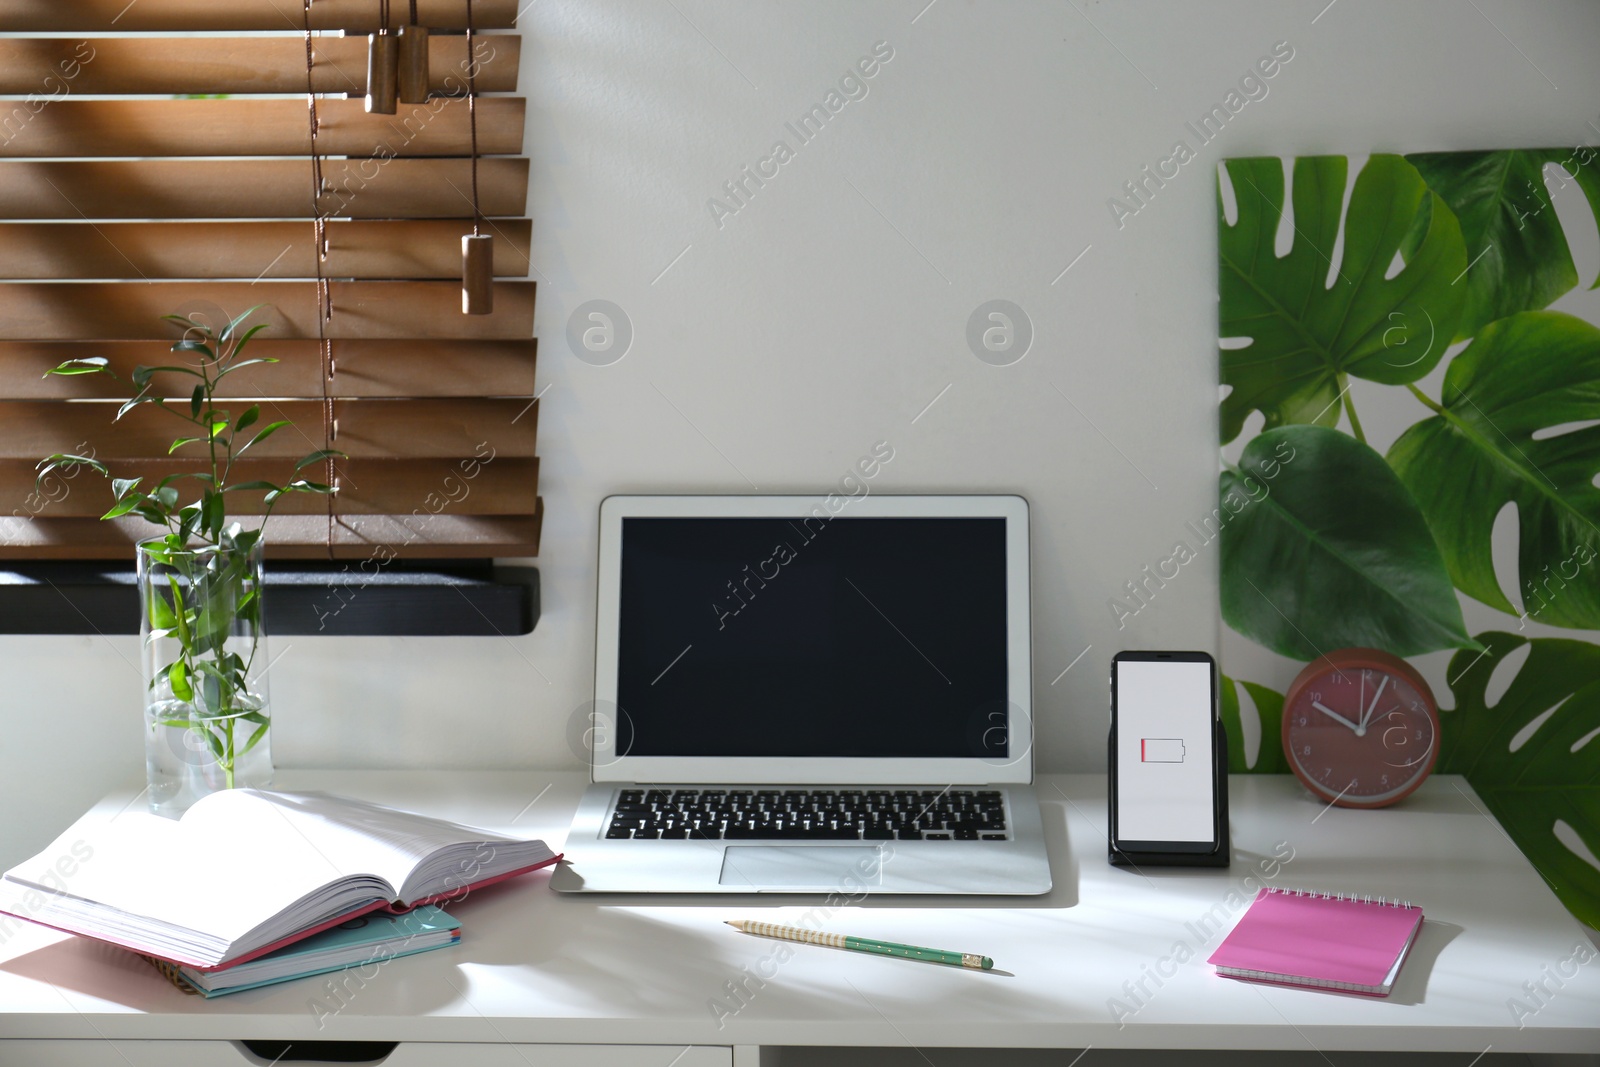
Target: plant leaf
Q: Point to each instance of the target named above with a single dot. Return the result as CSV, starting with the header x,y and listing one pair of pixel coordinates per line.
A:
x,y
318,456
1269,710
260,732
181,688
246,362
1302,334
122,507
1554,773
86,365
227,331
249,487
1522,375
245,339
193,346
266,431
51,463
188,518
129,405
1323,548
197,400
213,512
180,615
249,608
251,414
161,614
213,741
142,375
180,442
1514,240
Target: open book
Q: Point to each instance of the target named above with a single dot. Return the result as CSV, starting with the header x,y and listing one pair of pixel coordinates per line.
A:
x,y
246,871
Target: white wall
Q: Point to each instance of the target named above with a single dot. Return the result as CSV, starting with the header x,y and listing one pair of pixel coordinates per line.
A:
x,y
828,312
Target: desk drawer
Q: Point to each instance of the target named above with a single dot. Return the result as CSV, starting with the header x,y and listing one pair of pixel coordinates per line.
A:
x,y
30,1053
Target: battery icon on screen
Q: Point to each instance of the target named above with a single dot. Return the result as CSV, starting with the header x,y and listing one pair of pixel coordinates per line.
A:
x,y
1161,750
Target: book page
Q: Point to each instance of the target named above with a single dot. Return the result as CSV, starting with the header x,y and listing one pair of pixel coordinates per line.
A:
x,y
362,837
220,884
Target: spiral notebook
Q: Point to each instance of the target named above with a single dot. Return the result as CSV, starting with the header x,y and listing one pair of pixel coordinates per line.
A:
x,y
1320,940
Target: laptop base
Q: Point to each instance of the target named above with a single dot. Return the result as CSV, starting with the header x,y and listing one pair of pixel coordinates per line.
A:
x,y
1017,866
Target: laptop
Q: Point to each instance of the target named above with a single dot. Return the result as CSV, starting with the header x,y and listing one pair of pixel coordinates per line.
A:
x,y
811,695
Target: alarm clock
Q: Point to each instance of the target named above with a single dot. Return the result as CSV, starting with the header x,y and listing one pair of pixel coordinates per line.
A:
x,y
1360,728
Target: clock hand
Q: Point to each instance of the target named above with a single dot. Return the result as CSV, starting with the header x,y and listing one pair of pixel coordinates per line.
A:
x,y
1367,715
1359,730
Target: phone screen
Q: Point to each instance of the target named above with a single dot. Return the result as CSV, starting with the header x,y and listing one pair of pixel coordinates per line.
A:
x,y
1165,765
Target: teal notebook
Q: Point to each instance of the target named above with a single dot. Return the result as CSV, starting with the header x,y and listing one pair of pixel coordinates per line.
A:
x,y
368,939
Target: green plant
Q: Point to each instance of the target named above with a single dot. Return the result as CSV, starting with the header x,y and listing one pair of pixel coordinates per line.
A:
x,y
1485,446
1548,786
204,556
1352,547
1308,338
1310,540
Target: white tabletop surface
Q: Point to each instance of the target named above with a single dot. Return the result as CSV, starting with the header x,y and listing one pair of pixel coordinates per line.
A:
x,y
536,966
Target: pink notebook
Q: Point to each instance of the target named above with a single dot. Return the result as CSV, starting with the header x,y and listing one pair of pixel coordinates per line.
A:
x,y
1321,940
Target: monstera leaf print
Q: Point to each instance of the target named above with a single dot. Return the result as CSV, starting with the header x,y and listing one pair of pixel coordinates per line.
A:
x,y
1325,549
1269,713
1534,755
1309,324
1512,428
1516,248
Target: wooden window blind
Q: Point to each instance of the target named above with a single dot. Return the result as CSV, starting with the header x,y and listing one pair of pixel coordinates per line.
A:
x,y
123,198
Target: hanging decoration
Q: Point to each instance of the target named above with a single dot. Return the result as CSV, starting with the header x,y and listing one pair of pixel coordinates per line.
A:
x,y
477,248
413,78
383,65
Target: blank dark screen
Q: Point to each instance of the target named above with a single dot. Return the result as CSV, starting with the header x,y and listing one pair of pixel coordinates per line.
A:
x,y
865,637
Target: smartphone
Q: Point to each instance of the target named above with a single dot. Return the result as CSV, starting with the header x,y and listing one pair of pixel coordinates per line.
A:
x,y
1165,793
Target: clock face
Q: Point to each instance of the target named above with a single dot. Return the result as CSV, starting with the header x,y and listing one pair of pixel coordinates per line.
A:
x,y
1359,732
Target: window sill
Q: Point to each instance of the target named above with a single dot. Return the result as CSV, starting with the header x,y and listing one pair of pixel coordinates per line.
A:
x,y
418,599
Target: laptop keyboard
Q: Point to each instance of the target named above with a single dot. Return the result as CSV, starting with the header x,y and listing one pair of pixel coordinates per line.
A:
x,y
808,815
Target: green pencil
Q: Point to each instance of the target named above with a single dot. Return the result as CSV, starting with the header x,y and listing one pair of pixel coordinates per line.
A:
x,y
862,944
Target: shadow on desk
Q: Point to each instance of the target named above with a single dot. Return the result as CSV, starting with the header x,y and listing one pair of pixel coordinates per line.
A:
x,y
1411,987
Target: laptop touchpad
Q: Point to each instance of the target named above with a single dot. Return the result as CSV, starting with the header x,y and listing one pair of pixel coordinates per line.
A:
x,y
821,866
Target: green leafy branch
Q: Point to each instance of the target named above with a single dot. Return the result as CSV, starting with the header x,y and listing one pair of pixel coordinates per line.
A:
x,y
206,556
218,355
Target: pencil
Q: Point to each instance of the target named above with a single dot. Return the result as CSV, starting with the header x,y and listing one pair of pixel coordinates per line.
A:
x,y
862,944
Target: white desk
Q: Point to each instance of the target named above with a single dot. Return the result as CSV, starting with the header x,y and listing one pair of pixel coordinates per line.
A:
x,y
539,969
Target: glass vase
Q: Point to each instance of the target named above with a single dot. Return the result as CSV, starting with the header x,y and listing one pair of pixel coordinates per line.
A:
x,y
207,718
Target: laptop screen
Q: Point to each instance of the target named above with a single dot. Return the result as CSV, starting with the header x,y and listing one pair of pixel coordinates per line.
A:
x,y
856,636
